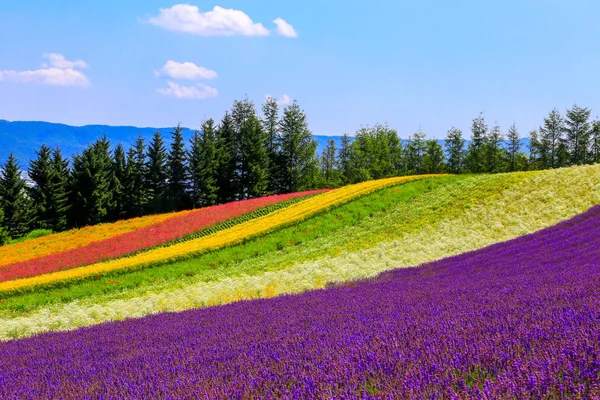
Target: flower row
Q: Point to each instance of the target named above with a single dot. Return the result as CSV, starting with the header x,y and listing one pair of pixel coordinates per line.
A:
x,y
176,227
236,234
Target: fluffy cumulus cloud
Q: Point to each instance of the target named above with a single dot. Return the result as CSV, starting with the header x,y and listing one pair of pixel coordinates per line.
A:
x,y
197,91
57,72
284,100
185,70
218,22
285,29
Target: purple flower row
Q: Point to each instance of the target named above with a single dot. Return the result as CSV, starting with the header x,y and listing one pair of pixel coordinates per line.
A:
x,y
519,319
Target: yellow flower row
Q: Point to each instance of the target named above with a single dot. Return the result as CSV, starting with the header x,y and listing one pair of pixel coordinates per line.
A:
x,y
236,234
75,238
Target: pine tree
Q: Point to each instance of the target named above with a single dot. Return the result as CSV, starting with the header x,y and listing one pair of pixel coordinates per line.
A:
x,y
241,112
40,171
60,185
513,147
455,147
433,160
595,150
156,175
255,177
204,165
493,151
298,147
415,150
136,198
329,166
345,156
4,236
227,160
119,183
550,138
13,199
177,173
91,179
578,130
537,152
270,124
475,157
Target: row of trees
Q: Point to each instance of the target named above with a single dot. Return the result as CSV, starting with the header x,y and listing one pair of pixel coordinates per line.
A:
x,y
246,156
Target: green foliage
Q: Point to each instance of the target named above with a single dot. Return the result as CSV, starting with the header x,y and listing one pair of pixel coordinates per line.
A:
x,y
227,160
177,198
13,200
475,157
578,130
156,177
415,151
37,233
455,147
136,194
330,173
433,160
270,125
91,180
255,170
595,138
119,183
493,151
551,135
298,163
513,148
204,166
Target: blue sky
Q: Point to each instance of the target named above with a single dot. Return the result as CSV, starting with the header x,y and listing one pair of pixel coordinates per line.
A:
x,y
428,64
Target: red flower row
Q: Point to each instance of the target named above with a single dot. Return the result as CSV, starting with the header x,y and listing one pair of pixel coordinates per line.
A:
x,y
140,239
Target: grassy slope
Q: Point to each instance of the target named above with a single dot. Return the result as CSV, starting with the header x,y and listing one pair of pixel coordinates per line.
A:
x,y
445,217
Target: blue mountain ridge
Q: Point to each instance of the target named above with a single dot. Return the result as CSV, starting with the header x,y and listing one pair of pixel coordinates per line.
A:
x,y
23,138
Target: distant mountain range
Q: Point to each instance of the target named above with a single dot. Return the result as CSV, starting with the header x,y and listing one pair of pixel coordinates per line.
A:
x,y
23,138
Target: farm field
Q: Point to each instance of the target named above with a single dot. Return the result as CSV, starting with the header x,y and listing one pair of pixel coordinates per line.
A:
x,y
406,224
513,313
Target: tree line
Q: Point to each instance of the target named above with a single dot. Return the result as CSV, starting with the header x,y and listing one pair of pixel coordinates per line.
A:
x,y
246,155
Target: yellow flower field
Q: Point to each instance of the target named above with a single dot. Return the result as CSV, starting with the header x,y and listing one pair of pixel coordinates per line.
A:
x,y
75,238
238,233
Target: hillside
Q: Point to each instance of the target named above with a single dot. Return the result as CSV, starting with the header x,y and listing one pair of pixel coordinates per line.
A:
x,y
24,137
371,227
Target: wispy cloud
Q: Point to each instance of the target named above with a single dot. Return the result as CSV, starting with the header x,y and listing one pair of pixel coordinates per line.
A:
x,y
58,72
285,29
185,70
197,91
284,100
218,22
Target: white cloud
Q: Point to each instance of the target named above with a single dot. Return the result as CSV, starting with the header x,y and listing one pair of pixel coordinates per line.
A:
x,y
198,91
59,61
60,72
284,100
186,70
285,29
218,22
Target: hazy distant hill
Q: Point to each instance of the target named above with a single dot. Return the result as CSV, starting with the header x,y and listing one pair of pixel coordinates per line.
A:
x,y
24,137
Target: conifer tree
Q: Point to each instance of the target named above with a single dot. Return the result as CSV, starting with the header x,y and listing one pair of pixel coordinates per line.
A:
x,y
415,150
298,159
536,151
40,171
595,139
270,124
493,151
578,132
475,157
4,236
241,112
118,186
345,156
513,147
156,175
60,184
227,160
550,139
330,166
204,166
136,195
91,179
455,147
177,173
433,160
13,199
255,167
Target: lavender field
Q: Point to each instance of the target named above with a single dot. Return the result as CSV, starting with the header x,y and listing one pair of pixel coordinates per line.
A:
x,y
519,319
